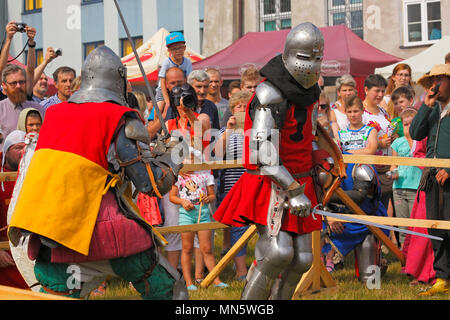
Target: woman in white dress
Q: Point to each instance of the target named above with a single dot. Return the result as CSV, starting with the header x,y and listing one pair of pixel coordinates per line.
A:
x,y
346,87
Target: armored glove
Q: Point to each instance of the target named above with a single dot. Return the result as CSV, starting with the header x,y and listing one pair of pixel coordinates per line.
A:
x,y
299,204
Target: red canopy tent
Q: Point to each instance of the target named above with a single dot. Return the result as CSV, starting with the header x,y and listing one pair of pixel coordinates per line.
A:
x,y
51,83
344,53
14,61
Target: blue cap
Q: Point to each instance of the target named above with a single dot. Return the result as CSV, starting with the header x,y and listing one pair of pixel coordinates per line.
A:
x,y
174,37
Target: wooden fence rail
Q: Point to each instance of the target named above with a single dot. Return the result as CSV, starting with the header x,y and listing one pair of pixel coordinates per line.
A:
x,y
317,274
389,221
366,159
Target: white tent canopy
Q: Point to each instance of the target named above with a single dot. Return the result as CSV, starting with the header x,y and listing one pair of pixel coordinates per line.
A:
x,y
152,53
422,62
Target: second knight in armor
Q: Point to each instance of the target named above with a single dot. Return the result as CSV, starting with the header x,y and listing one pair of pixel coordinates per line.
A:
x,y
363,187
277,192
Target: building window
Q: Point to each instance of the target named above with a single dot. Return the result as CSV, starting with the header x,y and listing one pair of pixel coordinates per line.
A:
x,y
126,47
422,22
348,12
39,54
89,47
275,14
32,5
90,1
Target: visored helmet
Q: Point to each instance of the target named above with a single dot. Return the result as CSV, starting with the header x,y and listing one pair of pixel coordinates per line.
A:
x,y
103,78
303,53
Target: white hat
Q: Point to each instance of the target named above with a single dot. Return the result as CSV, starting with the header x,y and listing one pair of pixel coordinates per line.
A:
x,y
16,136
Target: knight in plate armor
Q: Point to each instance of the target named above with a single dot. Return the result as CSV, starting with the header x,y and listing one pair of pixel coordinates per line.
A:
x,y
76,200
277,191
363,187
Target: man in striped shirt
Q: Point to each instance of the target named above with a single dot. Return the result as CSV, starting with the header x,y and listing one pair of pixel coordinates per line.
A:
x,y
230,147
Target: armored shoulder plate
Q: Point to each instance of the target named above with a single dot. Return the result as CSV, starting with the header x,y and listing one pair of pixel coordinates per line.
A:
x,y
135,130
267,94
362,172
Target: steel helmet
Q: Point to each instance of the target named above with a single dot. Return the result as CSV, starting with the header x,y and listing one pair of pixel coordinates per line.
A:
x,y
303,53
103,78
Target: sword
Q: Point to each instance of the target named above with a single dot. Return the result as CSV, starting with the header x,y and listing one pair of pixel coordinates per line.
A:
x,y
147,83
315,210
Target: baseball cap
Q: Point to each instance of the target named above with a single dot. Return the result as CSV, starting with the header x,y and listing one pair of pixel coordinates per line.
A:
x,y
174,37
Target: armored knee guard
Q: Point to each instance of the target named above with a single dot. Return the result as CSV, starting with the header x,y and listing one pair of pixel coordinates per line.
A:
x,y
368,256
301,263
275,254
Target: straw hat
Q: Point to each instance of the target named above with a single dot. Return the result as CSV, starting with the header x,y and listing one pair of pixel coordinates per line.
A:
x,y
426,81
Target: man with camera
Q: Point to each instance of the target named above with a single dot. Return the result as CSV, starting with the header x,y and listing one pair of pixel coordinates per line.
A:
x,y
40,78
13,83
175,78
11,29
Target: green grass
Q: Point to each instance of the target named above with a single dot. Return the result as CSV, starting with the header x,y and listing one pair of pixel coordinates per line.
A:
x,y
394,284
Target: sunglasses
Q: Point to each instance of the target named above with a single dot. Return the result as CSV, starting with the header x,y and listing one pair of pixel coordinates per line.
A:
x,y
323,106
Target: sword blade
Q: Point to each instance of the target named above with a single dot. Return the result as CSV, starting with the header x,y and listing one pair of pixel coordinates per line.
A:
x,y
144,76
381,226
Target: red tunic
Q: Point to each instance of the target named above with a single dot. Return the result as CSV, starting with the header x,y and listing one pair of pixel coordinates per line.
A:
x,y
82,133
9,276
249,199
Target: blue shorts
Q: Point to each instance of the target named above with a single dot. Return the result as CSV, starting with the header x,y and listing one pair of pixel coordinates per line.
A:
x,y
191,216
235,234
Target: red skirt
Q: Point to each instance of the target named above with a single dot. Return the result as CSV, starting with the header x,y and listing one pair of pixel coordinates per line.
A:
x,y
418,250
249,202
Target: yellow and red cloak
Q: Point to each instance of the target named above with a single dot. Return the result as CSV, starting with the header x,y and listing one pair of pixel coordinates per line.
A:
x,y
63,188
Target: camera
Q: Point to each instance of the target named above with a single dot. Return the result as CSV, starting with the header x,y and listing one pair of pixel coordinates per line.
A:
x,y
58,52
21,27
185,92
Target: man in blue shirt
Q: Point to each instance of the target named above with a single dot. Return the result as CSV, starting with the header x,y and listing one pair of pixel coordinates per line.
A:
x,y
63,76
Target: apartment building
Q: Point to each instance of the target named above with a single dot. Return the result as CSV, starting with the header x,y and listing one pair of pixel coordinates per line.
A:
x,y
400,27
79,26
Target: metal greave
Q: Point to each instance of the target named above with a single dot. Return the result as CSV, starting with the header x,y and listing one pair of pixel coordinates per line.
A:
x,y
301,263
287,254
368,256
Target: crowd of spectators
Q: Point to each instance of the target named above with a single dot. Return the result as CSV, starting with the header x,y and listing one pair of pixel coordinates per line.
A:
x,y
390,109
378,125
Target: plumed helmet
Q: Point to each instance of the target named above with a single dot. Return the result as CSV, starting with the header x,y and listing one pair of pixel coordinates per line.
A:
x,y
303,53
103,78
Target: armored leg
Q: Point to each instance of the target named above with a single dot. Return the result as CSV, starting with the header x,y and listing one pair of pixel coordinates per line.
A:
x,y
274,254
55,279
301,263
368,257
151,275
